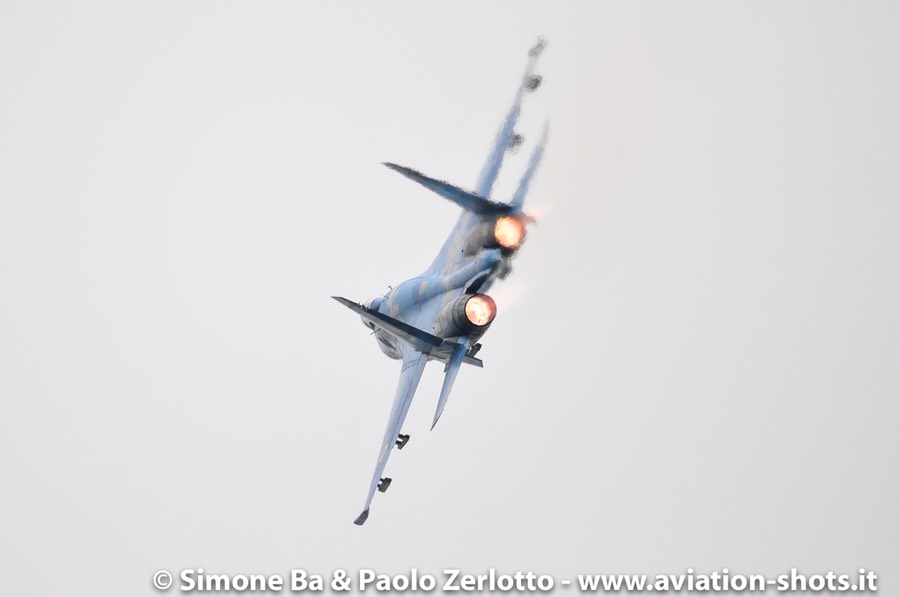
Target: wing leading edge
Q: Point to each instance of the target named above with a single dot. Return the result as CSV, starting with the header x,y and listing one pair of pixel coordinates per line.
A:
x,y
413,366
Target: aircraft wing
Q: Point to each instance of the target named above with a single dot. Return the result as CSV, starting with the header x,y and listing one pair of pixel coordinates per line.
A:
x,y
507,131
410,374
418,347
478,204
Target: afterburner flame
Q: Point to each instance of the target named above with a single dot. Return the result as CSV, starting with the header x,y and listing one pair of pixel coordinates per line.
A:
x,y
509,232
480,309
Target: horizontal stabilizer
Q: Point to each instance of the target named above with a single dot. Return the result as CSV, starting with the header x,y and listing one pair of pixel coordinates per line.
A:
x,y
465,199
445,351
436,348
420,340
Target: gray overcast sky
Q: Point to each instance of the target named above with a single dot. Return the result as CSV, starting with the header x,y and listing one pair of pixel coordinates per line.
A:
x,y
695,363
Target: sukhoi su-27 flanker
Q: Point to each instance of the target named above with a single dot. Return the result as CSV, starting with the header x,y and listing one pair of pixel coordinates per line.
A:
x,y
442,313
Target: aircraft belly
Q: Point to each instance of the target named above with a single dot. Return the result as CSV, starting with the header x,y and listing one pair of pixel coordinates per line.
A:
x,y
388,344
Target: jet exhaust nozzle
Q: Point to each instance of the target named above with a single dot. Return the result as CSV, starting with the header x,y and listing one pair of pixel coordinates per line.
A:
x,y
468,315
506,233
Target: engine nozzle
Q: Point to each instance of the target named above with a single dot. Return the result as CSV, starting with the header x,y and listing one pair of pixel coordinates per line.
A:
x,y
469,315
480,310
509,232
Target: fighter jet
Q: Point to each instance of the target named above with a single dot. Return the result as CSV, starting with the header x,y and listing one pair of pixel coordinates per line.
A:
x,y
441,314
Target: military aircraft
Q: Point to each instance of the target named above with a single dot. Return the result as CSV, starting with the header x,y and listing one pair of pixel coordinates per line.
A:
x,y
442,313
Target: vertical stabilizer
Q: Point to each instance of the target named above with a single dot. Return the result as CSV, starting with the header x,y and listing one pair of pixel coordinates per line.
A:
x,y
453,364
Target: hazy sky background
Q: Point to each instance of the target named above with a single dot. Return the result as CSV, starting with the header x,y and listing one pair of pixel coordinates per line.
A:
x,y
696,362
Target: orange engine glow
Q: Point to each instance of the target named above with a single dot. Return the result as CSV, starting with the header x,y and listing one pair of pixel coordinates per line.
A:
x,y
509,232
481,309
